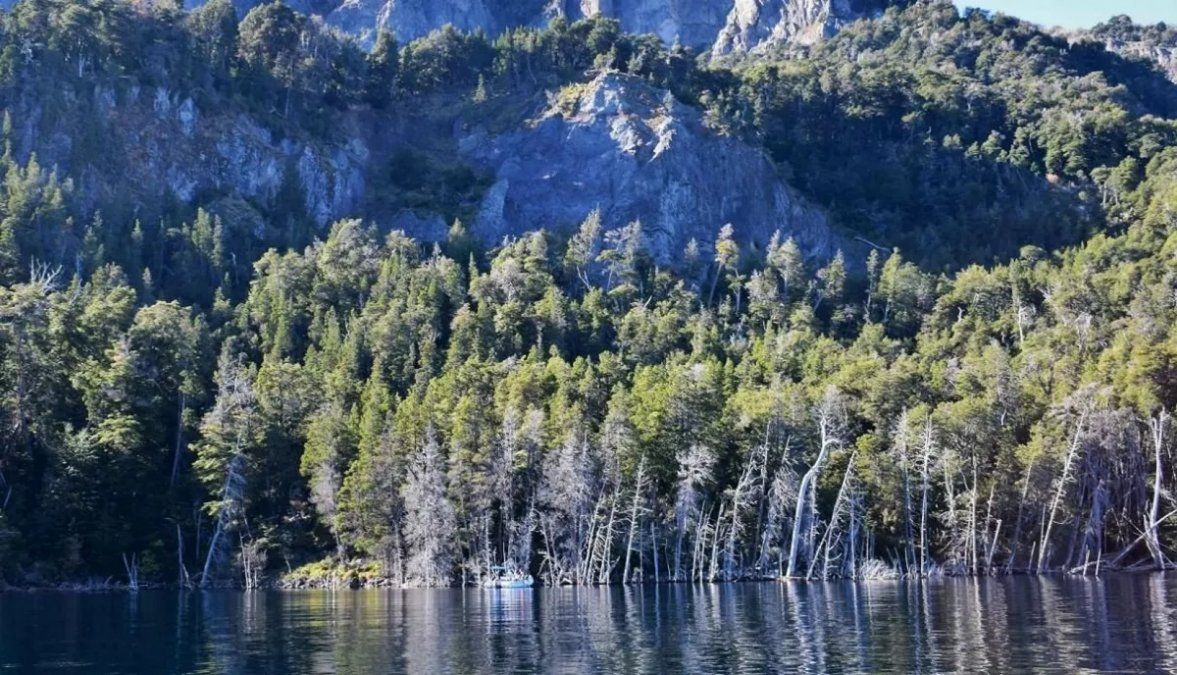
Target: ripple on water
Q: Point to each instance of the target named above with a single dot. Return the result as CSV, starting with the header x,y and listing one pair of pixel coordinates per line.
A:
x,y
1053,624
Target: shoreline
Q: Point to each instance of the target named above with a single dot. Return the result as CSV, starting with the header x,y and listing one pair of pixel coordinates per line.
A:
x,y
96,588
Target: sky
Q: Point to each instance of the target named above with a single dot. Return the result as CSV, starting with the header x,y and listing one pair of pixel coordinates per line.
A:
x,y
1080,13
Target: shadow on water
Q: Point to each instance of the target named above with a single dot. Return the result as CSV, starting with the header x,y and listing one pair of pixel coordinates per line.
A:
x,y
1059,624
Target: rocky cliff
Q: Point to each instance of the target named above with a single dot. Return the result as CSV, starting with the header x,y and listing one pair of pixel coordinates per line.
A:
x,y
757,24
1164,55
634,152
615,143
135,143
1156,43
721,25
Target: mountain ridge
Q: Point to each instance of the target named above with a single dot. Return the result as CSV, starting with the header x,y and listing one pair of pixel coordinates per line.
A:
x,y
719,26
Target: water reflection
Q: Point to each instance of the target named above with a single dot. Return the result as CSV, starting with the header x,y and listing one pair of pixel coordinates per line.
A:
x,y
1120,623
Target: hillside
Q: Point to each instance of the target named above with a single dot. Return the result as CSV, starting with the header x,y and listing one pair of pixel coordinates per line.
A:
x,y
1156,43
573,301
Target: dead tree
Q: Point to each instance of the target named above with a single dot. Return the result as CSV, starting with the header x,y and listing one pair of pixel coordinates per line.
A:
x,y
132,567
926,458
694,473
902,452
829,420
232,497
782,499
253,559
1152,523
1017,538
832,548
634,516
1073,451
744,494
228,429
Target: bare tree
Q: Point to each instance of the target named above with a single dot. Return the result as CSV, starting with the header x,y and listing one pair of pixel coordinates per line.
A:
x,y
927,450
253,556
901,448
227,430
430,523
569,509
782,499
1061,485
694,472
1157,426
744,496
830,414
639,490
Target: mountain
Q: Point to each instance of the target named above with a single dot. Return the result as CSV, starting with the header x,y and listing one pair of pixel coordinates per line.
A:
x,y
1157,43
723,26
758,24
529,157
637,154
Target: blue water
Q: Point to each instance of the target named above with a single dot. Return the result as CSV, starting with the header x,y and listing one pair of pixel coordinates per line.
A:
x,y
1054,624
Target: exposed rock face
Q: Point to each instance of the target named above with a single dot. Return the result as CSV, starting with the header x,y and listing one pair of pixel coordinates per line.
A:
x,y
1157,43
616,144
756,24
409,19
1165,56
634,152
691,22
153,140
721,25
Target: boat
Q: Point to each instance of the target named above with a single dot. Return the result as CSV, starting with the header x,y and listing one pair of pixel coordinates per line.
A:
x,y
508,576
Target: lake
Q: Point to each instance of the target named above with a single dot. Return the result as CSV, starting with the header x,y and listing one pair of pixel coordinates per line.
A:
x,y
1058,624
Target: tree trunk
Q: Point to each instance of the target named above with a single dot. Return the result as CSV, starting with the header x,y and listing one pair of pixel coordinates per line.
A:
x,y
1044,550
180,408
803,520
1151,531
639,487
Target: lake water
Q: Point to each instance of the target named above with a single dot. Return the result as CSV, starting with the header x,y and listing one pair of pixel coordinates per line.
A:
x,y
1054,624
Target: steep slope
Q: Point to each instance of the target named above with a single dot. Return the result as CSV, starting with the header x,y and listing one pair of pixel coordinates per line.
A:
x,y
722,25
616,144
634,152
691,22
139,143
408,19
1157,43
757,24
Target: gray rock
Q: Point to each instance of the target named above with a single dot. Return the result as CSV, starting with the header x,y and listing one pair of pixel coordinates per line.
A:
x,y
691,22
153,140
722,25
634,152
758,24
1165,56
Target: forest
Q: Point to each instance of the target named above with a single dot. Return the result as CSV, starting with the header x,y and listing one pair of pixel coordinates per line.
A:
x,y
216,392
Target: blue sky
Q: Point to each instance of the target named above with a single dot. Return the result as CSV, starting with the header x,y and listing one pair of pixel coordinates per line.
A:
x,y
1080,13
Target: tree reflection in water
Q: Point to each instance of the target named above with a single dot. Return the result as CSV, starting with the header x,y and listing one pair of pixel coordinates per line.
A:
x,y
1060,624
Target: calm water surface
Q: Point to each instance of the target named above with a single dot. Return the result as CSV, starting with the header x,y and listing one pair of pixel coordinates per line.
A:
x,y
1123,623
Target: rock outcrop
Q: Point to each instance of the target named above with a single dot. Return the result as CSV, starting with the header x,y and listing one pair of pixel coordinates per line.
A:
x,y
636,153
690,22
1156,43
153,141
409,19
722,26
1164,55
758,24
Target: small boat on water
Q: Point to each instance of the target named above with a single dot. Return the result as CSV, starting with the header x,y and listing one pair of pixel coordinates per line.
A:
x,y
505,576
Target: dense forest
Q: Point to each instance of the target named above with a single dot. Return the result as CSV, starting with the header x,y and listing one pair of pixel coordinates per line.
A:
x,y
217,391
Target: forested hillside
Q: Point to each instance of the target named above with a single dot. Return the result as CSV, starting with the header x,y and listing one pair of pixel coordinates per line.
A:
x,y
326,365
